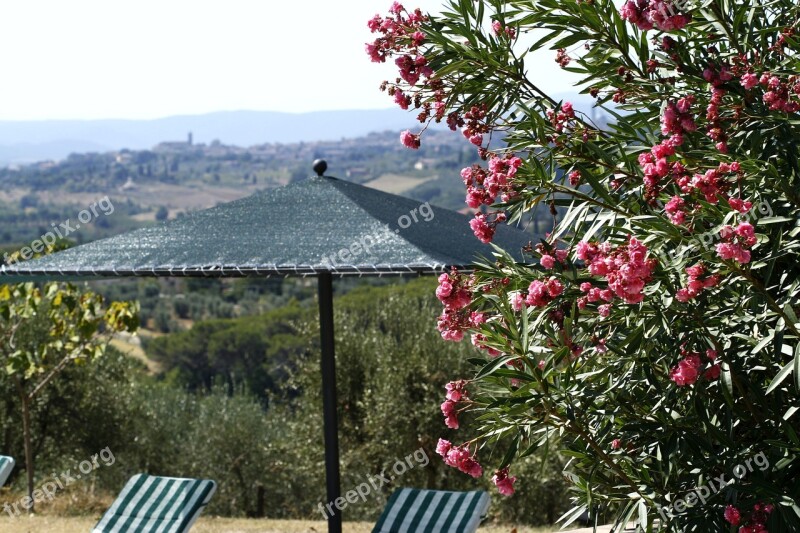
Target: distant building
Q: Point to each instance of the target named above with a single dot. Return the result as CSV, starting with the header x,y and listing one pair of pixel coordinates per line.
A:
x,y
357,172
175,146
129,185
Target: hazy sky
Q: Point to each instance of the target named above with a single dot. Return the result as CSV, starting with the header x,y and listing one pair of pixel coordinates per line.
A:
x,y
88,59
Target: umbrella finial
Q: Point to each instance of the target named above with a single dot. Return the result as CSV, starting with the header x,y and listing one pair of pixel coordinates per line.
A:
x,y
320,166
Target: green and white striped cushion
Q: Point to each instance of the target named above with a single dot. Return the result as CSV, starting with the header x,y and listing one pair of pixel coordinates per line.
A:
x,y
6,466
157,504
432,511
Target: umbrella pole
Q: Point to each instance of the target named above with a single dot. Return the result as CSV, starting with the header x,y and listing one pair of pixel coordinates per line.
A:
x,y
331,423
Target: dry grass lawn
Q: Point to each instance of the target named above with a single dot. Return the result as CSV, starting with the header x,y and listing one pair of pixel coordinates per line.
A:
x,y
51,524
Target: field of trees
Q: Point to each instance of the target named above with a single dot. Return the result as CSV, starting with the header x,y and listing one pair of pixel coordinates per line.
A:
x,y
238,400
223,379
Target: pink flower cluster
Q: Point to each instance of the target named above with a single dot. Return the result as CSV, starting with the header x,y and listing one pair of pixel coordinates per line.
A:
x,y
393,29
478,340
677,118
562,118
777,93
517,301
411,68
474,124
502,31
485,225
717,75
742,206
400,36
715,127
655,165
736,241
627,269
504,482
688,369
697,283
401,99
410,140
647,14
550,255
454,292
541,293
676,210
712,184
595,294
459,457
756,522
483,186
455,393
562,58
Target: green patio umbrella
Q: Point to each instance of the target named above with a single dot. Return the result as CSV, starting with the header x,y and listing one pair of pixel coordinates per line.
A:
x,y
321,226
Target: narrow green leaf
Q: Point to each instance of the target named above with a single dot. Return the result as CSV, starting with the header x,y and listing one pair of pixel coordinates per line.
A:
x,y
782,375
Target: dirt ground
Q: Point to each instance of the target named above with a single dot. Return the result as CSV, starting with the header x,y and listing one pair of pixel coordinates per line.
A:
x,y
50,524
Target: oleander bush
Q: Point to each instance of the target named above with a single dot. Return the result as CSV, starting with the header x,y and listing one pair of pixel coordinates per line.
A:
x,y
652,337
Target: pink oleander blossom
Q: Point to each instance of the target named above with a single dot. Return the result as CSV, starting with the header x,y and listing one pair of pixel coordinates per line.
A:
x,y
732,515
455,390
504,482
485,225
687,371
410,140
481,228
402,100
649,14
735,242
443,446
450,414
739,205
517,301
454,290
749,80
540,293
675,210
459,457
712,372
697,282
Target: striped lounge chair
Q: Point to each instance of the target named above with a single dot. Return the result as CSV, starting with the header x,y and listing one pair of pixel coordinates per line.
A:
x,y
433,511
6,466
151,503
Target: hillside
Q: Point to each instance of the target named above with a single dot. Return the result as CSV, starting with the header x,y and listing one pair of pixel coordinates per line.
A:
x,y
24,142
175,177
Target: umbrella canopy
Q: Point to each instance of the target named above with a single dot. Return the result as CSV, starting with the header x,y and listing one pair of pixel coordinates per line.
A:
x,y
320,224
320,227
